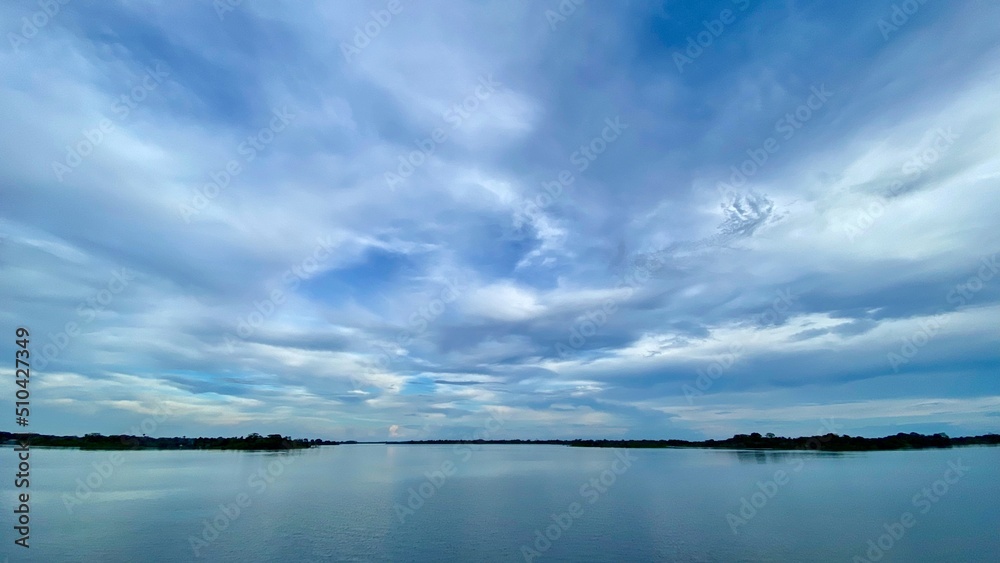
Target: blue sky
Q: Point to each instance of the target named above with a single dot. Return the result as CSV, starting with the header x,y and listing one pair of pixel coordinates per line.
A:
x,y
394,220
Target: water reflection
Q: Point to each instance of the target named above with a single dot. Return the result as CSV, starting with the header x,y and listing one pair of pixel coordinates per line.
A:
x,y
783,456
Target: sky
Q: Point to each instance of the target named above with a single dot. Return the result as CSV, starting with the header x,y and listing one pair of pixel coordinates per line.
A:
x,y
416,220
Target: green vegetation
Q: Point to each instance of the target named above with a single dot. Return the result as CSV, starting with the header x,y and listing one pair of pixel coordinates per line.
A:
x,y
125,442
828,442
755,441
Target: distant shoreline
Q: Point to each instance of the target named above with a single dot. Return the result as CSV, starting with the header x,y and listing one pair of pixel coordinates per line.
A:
x,y
755,441
827,442
251,442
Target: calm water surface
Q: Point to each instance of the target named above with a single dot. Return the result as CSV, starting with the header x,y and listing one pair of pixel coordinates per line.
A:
x,y
495,503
